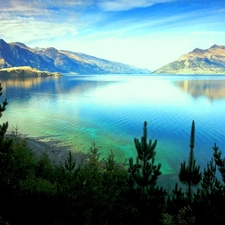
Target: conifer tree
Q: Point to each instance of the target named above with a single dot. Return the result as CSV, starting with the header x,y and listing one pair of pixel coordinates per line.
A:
x,y
4,145
178,197
4,162
210,182
190,173
144,173
209,208
68,175
220,162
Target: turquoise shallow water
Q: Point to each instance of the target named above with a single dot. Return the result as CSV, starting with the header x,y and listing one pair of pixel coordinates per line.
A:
x,y
111,110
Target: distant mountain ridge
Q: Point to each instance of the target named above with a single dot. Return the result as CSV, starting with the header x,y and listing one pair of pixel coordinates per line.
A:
x,y
17,54
199,61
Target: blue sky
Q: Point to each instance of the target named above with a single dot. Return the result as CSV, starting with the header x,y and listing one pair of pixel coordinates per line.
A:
x,y
143,33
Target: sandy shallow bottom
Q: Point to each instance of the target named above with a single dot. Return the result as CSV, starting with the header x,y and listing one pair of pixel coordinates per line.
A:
x,y
56,152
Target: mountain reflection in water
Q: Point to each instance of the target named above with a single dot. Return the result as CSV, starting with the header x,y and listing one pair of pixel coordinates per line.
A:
x,y
212,89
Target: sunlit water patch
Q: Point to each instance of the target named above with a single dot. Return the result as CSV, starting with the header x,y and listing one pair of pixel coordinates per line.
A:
x,y
111,110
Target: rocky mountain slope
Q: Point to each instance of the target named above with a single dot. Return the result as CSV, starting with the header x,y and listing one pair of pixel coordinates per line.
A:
x,y
50,59
199,61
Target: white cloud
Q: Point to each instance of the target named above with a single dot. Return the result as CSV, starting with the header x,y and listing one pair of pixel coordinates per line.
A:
x,y
21,7
28,30
124,5
32,21
149,42
40,7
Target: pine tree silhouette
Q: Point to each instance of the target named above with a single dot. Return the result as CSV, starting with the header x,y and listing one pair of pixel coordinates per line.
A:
x,y
210,183
190,173
144,172
4,145
220,162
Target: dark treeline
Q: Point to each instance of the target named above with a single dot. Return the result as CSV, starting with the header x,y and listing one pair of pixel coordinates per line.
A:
x,y
101,191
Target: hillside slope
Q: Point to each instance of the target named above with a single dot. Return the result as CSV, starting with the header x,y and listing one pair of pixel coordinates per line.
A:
x,y
208,61
50,59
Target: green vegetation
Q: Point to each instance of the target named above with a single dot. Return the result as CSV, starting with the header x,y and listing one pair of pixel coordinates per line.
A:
x,y
33,190
26,71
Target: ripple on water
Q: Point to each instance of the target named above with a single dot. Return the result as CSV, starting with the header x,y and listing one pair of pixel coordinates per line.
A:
x,y
85,110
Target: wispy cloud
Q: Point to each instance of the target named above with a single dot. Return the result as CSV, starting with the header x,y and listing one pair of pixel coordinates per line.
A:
x,y
30,21
30,30
46,9
38,4
124,5
20,7
115,29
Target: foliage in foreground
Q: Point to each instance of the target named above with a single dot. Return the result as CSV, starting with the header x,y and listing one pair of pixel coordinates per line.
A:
x,y
101,191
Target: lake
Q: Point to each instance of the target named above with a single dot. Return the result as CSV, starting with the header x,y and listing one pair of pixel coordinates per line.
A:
x,y
111,110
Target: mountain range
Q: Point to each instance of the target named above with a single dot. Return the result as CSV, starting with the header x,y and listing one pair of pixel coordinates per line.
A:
x,y
16,54
50,59
199,61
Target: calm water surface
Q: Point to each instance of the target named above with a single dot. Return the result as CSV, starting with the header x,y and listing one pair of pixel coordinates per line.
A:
x,y
111,110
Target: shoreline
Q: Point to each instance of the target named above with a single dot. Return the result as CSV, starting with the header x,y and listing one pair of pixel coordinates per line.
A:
x,y
42,145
